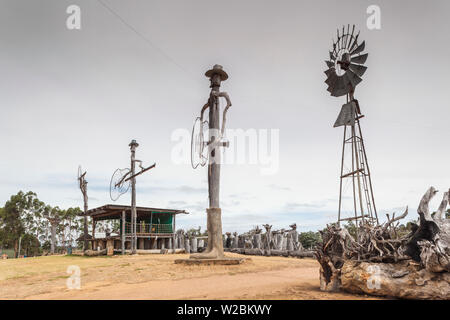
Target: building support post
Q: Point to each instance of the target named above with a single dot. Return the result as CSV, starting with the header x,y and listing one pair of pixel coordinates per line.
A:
x,y
123,232
93,227
173,231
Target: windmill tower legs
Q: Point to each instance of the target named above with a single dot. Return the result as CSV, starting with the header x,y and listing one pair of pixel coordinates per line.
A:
x,y
363,200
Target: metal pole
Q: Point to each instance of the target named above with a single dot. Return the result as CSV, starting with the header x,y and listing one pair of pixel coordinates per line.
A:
x,y
353,177
368,172
351,97
133,145
342,172
355,150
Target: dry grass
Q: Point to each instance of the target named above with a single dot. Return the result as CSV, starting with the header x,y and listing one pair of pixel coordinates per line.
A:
x,y
157,277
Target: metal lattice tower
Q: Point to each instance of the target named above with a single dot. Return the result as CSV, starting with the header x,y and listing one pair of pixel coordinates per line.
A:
x,y
345,69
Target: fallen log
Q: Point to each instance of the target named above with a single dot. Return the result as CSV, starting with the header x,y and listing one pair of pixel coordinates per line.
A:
x,y
279,253
406,280
301,254
254,252
95,253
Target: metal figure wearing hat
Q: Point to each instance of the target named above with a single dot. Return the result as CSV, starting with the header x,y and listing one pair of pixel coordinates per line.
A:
x,y
216,132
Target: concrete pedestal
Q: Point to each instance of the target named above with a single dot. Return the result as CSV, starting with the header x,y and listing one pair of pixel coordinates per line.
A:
x,y
141,243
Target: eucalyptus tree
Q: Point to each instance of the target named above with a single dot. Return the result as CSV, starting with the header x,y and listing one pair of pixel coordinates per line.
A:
x,y
54,217
70,226
19,217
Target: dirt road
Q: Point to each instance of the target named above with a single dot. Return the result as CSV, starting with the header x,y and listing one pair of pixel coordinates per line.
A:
x,y
157,277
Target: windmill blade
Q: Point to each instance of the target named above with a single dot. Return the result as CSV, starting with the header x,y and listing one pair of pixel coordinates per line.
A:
x,y
351,37
339,83
330,64
331,82
353,78
340,86
329,72
338,42
359,49
331,79
332,56
359,70
346,36
355,42
347,86
361,59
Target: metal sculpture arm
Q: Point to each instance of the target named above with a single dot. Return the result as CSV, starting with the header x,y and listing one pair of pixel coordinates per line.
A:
x,y
224,119
206,106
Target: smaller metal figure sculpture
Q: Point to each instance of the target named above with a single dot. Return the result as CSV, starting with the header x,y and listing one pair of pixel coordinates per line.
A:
x,y
120,183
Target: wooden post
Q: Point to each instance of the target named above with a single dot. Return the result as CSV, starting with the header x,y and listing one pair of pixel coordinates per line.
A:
x,y
83,187
110,247
123,232
85,229
93,227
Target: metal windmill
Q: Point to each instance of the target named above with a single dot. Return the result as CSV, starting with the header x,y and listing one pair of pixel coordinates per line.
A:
x,y
120,184
83,187
207,138
345,69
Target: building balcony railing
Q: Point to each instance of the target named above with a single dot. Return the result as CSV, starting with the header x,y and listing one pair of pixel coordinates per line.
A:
x,y
149,228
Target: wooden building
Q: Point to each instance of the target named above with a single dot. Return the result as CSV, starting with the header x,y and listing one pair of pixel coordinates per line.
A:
x,y
155,228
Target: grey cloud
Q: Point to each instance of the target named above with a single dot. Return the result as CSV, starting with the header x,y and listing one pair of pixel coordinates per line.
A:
x,y
280,188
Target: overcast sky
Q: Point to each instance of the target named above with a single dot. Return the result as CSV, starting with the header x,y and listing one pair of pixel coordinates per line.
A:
x,y
136,71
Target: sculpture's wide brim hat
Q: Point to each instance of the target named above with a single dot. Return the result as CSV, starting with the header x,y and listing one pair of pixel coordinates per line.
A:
x,y
217,69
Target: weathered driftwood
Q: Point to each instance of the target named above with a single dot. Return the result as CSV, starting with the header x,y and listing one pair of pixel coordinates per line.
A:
x,y
94,253
272,253
404,280
430,243
301,254
380,248
254,252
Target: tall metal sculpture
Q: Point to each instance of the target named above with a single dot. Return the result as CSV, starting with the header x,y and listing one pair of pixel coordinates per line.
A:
x,y
83,187
207,150
120,184
345,69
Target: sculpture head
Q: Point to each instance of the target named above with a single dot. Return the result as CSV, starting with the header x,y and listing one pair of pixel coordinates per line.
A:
x,y
216,75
